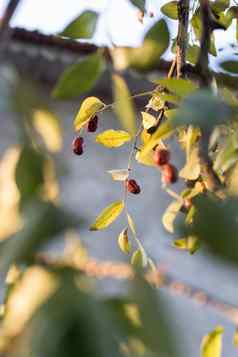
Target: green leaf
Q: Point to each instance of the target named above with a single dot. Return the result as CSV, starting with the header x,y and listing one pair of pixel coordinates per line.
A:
x,y
88,109
170,9
170,215
155,44
81,27
230,66
113,138
139,3
220,5
137,259
29,174
79,78
107,216
212,343
192,53
191,170
123,106
42,222
179,87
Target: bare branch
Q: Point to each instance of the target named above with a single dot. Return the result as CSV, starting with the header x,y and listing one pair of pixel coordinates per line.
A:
x,y
182,38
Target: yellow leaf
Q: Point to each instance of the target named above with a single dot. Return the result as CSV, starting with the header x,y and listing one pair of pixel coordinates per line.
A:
x,y
192,169
123,106
211,345
119,175
88,109
190,243
47,125
148,120
113,138
107,216
123,241
137,258
164,130
131,224
146,159
170,215
145,137
235,338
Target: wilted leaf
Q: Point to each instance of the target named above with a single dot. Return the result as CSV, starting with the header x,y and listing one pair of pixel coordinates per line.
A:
x,y
170,9
123,105
230,66
170,215
119,175
47,125
148,120
212,343
180,87
123,241
113,138
79,78
107,216
88,109
191,170
82,27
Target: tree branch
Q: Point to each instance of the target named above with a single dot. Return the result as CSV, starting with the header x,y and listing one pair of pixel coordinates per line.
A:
x,y
5,29
182,38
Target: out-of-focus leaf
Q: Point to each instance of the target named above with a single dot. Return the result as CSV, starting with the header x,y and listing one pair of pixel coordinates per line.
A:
x,y
119,175
107,216
191,170
156,332
139,3
230,66
193,53
191,244
29,174
81,27
113,138
232,182
42,223
212,343
88,109
131,224
220,5
47,125
148,120
235,338
227,156
170,215
145,159
170,9
79,78
155,44
123,241
142,256
180,87
123,105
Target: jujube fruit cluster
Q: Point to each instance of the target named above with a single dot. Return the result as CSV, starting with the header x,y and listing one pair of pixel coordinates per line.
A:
x,y
133,187
169,172
77,145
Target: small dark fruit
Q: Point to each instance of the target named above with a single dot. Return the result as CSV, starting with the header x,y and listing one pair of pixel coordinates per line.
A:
x,y
77,145
161,156
133,187
169,174
93,124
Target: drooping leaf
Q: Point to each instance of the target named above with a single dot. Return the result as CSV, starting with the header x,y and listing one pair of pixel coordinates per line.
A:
x,y
113,138
107,216
148,120
47,125
170,9
191,170
79,78
88,109
180,87
230,66
123,241
137,259
131,224
123,105
212,343
191,244
81,27
145,159
170,215
119,175
139,3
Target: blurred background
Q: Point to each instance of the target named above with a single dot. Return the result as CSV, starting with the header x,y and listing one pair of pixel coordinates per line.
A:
x,y
85,187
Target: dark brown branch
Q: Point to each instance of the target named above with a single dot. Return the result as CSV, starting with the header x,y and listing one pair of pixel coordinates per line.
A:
x,y
5,30
182,38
